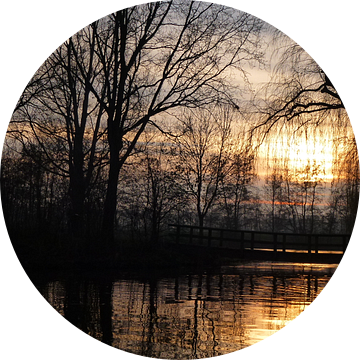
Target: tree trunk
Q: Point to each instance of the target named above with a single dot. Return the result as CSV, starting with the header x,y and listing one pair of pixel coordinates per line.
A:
x,y
109,212
76,219
154,227
201,225
77,189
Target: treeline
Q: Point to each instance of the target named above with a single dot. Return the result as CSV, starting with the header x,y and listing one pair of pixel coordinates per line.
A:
x,y
91,101
205,172
201,172
147,117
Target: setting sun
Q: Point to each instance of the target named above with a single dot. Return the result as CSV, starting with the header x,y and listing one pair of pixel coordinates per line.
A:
x,y
311,159
307,156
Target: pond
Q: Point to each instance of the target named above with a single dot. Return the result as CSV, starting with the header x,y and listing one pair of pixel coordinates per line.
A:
x,y
194,314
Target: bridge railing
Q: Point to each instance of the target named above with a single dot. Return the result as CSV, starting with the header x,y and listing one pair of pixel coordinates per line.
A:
x,y
258,240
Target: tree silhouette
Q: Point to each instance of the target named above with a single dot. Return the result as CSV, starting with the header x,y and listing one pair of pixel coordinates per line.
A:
x,y
298,88
97,93
204,156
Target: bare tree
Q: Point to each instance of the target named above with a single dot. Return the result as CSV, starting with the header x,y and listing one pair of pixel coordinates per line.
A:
x,y
163,190
301,95
274,192
235,186
33,200
302,197
298,88
345,184
57,112
150,190
161,56
204,155
117,75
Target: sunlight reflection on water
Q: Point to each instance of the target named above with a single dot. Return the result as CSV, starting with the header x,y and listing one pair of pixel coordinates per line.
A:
x,y
193,315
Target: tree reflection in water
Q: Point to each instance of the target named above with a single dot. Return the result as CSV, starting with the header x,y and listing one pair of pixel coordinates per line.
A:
x,y
196,315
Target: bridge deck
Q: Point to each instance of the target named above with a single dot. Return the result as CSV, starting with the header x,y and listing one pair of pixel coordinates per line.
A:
x,y
266,245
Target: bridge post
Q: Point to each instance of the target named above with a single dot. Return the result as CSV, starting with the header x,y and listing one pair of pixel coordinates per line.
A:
x,y
309,244
316,244
191,235
252,241
284,243
275,242
221,237
242,242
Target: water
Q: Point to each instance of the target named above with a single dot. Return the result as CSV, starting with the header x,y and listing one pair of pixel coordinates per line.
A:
x,y
189,315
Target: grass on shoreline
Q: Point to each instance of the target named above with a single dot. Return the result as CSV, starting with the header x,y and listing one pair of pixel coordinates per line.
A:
x,y
54,254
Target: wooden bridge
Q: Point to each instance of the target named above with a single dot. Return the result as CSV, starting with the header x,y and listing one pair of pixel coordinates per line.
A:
x,y
262,244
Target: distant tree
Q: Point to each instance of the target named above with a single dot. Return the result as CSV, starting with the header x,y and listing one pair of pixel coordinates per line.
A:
x,y
274,189
58,114
332,217
163,190
131,214
235,190
204,155
345,184
32,198
302,196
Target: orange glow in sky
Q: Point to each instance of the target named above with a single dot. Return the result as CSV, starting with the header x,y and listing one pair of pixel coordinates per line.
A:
x,y
307,157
